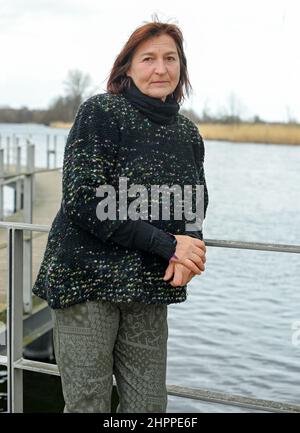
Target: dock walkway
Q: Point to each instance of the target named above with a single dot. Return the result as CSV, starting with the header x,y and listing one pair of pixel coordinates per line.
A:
x,y
47,199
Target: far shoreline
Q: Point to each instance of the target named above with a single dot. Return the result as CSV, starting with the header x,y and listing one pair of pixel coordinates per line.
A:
x,y
264,133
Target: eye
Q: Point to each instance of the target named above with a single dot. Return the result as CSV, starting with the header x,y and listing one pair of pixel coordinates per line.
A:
x,y
147,58
171,58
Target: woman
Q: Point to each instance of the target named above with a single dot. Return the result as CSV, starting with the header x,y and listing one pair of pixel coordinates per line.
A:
x,y
109,281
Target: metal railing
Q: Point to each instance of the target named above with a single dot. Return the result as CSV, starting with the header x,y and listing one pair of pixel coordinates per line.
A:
x,y
22,180
15,362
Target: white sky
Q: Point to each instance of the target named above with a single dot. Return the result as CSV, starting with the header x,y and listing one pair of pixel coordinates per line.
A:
x,y
249,47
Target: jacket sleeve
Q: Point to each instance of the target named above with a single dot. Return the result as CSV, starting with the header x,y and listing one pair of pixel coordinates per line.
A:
x,y
89,161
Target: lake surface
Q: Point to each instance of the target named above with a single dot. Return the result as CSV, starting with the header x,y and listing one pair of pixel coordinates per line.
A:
x,y
234,333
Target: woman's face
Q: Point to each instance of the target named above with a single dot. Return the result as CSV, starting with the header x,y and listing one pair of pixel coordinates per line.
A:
x,y
155,67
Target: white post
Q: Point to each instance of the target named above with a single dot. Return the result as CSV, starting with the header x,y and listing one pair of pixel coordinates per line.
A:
x,y
47,150
20,180
14,320
28,198
7,153
55,150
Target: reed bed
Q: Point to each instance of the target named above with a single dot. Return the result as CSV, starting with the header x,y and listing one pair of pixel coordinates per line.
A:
x,y
252,132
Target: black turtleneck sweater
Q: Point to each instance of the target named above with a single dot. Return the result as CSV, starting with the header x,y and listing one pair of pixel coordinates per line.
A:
x,y
147,141
140,234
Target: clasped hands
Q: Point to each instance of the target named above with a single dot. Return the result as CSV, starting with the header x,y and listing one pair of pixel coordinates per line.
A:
x,y
190,253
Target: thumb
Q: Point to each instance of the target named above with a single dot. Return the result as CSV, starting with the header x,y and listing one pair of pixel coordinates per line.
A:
x,y
177,280
169,272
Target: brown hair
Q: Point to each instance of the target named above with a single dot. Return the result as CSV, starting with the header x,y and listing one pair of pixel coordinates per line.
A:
x,y
118,79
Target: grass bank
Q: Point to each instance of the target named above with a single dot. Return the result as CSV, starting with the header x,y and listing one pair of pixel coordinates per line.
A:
x,y
252,132
61,125
242,132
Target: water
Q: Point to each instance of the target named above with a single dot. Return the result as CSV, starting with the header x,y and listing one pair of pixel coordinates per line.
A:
x,y
37,135
234,332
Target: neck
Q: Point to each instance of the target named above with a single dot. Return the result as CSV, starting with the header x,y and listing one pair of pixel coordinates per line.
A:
x,y
161,110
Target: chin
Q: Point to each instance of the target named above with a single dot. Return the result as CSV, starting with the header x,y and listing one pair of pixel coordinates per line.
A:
x,y
157,95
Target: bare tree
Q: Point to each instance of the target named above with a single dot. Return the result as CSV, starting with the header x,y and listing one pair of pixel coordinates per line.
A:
x,y
206,112
235,107
191,114
290,115
77,89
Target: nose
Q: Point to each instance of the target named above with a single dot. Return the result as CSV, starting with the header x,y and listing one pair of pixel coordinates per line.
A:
x,y
160,67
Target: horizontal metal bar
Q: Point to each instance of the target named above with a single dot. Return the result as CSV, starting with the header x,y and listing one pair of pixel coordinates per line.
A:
x,y
34,326
180,391
44,170
287,248
11,176
24,226
231,399
3,360
11,179
38,367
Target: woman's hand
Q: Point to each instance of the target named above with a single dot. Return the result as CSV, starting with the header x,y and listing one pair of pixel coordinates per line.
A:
x,y
190,252
182,275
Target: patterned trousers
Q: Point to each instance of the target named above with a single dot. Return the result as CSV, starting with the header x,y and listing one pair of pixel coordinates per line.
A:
x,y
98,339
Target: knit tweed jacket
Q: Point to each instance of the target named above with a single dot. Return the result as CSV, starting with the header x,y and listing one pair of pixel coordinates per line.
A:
x,y
111,138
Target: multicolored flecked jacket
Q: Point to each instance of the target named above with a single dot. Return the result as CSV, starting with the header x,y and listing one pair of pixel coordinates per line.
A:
x,y
110,138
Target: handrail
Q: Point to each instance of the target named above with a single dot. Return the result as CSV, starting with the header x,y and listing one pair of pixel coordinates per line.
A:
x,y
15,362
262,246
12,177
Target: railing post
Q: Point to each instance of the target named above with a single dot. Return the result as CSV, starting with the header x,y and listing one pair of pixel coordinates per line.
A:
x,y
55,150
15,320
8,153
47,150
15,144
28,198
19,181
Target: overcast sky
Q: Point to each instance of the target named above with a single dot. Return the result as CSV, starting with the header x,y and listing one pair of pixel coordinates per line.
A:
x,y
248,47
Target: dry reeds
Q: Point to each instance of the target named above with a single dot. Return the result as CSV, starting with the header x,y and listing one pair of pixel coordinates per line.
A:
x,y
252,132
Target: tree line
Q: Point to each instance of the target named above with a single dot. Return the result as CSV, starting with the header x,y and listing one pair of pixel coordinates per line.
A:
x,y
61,108
78,87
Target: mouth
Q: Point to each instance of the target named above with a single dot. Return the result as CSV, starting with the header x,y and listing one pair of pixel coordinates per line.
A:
x,y
159,82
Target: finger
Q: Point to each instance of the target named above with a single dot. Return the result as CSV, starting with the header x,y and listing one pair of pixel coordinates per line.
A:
x,y
177,279
198,261
198,251
186,274
200,244
192,266
187,278
167,272
197,256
